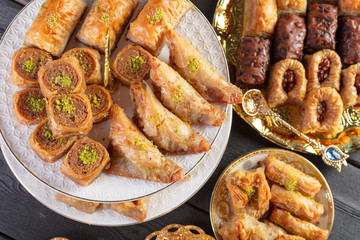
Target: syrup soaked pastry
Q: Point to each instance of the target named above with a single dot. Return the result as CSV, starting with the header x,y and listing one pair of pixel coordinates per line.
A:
x,y
26,63
349,42
292,6
132,64
188,61
321,27
349,7
62,76
323,69
322,111
48,147
54,24
104,14
136,209
297,226
181,98
253,60
287,83
29,106
249,191
260,17
100,101
297,204
69,115
350,85
89,60
87,207
165,129
134,156
155,18
289,177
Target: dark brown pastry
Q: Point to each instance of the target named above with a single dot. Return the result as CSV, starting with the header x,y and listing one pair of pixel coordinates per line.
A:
x,y
289,37
87,207
350,89
252,61
349,42
100,101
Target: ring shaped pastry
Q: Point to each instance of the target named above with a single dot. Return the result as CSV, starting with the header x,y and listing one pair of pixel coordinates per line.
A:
x,y
287,83
350,85
100,101
322,111
323,69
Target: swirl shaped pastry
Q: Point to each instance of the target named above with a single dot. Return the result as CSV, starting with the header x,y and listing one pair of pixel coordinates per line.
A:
x,y
29,106
292,6
349,7
54,24
100,101
85,161
62,76
287,83
349,42
136,209
86,207
350,85
89,60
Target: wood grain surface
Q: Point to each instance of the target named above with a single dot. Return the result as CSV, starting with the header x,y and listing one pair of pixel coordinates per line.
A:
x,y
23,217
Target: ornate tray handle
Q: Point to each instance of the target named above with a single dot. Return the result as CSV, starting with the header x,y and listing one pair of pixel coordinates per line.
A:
x,y
179,232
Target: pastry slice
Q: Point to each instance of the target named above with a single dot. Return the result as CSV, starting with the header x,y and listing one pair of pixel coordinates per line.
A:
x,y
350,89
100,101
189,62
292,6
134,156
136,209
349,7
161,126
87,207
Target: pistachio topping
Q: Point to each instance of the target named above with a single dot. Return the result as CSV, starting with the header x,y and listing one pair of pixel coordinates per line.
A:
x,y
136,63
65,104
155,118
52,19
37,104
139,143
48,134
89,155
42,58
29,66
62,80
178,95
155,16
82,63
104,16
192,64
94,100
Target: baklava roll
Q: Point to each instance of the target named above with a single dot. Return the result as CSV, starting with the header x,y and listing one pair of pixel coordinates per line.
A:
x,y
69,115
54,24
100,101
350,89
297,226
136,209
292,6
349,42
29,106
62,76
321,27
155,18
132,64
289,37
86,207
287,83
289,177
85,161
26,63
112,14
349,7
297,204
323,69
322,111
89,60
260,17
253,60
48,147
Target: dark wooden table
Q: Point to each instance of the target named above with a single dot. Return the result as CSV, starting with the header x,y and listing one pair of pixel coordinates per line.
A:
x,y
23,217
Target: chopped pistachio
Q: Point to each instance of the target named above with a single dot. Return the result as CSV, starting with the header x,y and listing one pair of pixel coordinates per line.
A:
x,y
94,100
156,16
65,104
139,143
248,192
287,213
29,66
42,58
155,118
104,16
48,134
136,63
192,64
178,95
89,155
64,81
52,19
37,104
291,185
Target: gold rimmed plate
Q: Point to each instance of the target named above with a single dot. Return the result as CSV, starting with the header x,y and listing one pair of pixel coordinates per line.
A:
x,y
222,210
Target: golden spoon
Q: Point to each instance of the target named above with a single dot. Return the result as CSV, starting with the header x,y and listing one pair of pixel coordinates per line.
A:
x,y
109,82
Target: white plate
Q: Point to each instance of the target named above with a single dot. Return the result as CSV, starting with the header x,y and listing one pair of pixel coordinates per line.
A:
x,y
193,26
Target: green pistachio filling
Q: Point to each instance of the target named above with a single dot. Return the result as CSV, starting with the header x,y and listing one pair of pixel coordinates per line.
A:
x,y
65,104
63,81
138,143
52,19
48,134
29,66
178,95
136,63
89,155
104,16
156,118
37,104
156,16
192,65
94,100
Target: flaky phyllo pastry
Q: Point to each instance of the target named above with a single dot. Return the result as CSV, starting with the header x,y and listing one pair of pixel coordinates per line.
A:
x,y
292,6
100,101
136,209
134,156
350,89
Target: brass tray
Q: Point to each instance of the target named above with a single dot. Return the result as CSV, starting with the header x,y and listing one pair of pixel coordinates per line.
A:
x,y
221,208
227,23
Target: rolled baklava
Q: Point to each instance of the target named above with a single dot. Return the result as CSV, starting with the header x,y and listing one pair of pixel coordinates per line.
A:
x,y
350,90
100,101
289,37
155,18
29,106
85,161
89,60
136,209
26,63
62,76
132,64
321,27
287,83
87,207
104,14
292,6
54,24
48,147
349,7
253,60
349,42
69,115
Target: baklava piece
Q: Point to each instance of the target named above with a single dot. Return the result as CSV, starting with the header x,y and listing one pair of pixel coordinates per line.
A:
x,y
54,24
105,14
89,60
62,76
253,60
100,101
86,207
85,161
287,83
69,115
29,106
322,111
289,37
349,42
321,27
136,209
350,89
349,7
132,64
292,6
48,147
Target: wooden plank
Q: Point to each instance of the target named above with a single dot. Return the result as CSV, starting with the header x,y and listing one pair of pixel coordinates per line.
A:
x,y
8,11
